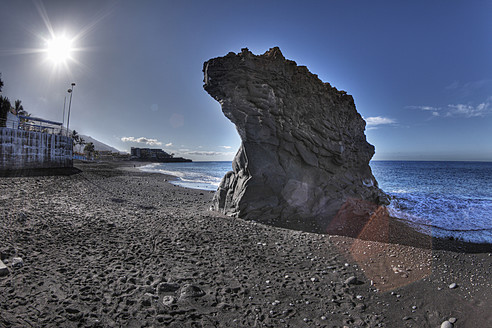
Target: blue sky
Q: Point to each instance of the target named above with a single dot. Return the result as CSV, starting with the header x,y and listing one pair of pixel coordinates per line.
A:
x,y
420,71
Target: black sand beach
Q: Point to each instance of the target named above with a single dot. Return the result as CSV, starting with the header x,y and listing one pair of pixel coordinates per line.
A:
x,y
115,247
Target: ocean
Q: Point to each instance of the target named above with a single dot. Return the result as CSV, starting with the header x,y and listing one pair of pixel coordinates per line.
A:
x,y
196,175
444,199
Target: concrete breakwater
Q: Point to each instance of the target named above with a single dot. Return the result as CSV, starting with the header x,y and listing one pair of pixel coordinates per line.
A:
x,y
21,149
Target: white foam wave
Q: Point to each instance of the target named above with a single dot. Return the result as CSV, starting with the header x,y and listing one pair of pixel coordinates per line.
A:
x,y
194,176
459,217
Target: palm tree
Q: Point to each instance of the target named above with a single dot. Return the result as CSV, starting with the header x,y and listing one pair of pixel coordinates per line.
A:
x,y
89,149
19,110
4,106
75,138
81,141
4,109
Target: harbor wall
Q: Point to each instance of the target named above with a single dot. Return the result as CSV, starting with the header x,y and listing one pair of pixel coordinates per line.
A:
x,y
20,150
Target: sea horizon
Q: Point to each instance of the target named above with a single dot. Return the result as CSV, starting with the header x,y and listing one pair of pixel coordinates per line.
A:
x,y
390,160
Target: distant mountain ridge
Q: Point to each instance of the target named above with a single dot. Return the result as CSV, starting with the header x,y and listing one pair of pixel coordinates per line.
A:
x,y
98,145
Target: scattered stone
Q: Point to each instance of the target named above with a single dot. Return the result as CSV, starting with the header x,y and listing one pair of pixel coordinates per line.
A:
x,y
351,280
405,318
453,285
167,287
398,270
191,291
452,320
168,300
72,310
17,262
3,269
446,324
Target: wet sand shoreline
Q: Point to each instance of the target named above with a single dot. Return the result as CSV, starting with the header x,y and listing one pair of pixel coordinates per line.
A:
x,y
116,247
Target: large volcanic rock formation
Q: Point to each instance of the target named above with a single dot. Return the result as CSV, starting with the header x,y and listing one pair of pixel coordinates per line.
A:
x,y
303,152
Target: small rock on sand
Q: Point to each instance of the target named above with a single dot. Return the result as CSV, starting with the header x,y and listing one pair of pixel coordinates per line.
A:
x,y
3,269
351,280
446,324
453,285
191,291
168,300
167,287
17,262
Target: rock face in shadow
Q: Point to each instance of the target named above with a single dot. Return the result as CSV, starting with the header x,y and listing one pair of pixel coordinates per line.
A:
x,y
303,152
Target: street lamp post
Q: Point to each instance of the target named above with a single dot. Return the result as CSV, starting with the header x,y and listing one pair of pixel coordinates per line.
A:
x,y
70,91
63,117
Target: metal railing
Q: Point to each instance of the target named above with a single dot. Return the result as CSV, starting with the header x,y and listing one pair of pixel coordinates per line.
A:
x,y
34,124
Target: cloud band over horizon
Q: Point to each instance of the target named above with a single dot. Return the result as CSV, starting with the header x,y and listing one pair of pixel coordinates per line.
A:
x,y
144,140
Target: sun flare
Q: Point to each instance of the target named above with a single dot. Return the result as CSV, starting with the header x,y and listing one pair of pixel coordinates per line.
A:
x,y
59,49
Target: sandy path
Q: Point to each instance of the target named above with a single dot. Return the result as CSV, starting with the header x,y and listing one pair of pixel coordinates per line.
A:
x,y
119,248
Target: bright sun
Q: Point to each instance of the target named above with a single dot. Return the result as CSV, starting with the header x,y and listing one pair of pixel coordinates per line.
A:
x,y
59,49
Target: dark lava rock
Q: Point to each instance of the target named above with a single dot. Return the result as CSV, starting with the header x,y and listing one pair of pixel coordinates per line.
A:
x,y
303,152
166,287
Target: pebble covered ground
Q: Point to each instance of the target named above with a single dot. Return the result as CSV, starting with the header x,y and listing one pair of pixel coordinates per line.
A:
x,y
115,247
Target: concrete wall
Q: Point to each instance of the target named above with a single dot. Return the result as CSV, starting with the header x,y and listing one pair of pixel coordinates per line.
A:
x,y
21,149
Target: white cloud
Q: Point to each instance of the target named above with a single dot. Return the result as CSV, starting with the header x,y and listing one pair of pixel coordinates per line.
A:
x,y
378,120
429,108
226,147
147,141
459,110
425,108
169,144
469,111
205,153
209,153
